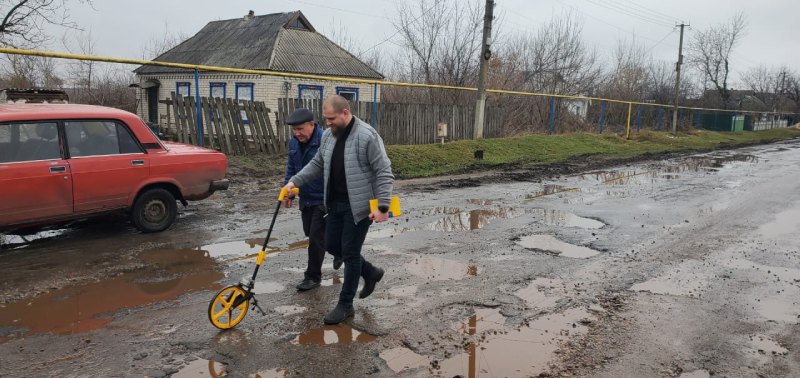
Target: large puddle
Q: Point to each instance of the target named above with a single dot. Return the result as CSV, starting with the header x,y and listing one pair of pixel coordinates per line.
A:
x,y
560,218
333,334
81,308
549,243
496,349
786,222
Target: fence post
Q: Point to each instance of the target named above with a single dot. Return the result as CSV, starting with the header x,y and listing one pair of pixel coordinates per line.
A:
x,y
628,129
639,117
552,123
197,105
602,115
375,105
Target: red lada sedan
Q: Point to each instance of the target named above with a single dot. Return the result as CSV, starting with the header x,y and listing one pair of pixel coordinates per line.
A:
x,y
60,162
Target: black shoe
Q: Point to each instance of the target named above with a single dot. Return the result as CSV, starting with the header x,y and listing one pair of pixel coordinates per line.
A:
x,y
337,263
339,314
369,284
307,284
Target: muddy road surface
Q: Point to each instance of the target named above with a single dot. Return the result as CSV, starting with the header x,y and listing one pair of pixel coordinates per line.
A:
x,y
681,267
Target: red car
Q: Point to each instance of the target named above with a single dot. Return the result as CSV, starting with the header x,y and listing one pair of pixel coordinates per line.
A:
x,y
61,162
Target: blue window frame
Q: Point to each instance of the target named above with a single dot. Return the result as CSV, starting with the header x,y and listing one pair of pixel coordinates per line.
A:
x,y
245,91
350,93
183,88
305,91
216,90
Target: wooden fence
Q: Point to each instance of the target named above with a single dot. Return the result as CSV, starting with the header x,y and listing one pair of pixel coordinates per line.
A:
x,y
233,127
245,127
408,123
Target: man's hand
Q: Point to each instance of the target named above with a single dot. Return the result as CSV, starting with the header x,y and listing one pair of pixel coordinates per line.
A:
x,y
378,216
287,199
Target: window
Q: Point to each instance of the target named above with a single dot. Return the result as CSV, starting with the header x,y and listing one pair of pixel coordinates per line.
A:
x,y
94,138
351,94
183,88
244,91
28,142
216,90
308,92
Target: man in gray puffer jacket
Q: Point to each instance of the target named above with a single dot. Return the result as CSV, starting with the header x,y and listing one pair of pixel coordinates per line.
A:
x,y
355,169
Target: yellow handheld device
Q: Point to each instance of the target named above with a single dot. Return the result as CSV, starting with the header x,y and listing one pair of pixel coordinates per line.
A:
x,y
394,206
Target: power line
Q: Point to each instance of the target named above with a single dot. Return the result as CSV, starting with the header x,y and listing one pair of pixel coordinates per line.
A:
x,y
337,9
645,12
627,12
603,21
659,42
650,10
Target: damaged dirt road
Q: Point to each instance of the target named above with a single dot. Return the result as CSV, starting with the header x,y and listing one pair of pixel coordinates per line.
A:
x,y
688,266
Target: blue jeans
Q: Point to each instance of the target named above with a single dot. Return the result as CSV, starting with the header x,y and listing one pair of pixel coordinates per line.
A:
x,y
344,237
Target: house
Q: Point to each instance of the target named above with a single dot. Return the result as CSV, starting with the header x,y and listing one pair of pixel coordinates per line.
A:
x,y
283,42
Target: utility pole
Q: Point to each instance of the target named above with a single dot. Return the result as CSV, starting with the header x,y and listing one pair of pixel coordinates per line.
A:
x,y
678,82
486,53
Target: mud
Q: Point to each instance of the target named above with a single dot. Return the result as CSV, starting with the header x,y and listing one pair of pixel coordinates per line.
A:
x,y
679,266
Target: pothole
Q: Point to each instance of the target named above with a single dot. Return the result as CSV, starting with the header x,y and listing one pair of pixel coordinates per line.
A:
x,y
550,243
439,269
333,334
472,220
202,368
541,293
550,189
495,349
81,308
565,219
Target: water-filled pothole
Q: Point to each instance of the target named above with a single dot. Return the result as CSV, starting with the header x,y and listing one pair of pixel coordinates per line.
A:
x,y
560,218
550,244
439,269
202,368
472,220
333,334
81,308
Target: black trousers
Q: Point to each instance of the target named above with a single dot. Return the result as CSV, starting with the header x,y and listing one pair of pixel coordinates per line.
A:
x,y
345,238
314,228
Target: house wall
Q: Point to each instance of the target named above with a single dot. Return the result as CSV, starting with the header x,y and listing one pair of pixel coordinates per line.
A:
x,y
265,88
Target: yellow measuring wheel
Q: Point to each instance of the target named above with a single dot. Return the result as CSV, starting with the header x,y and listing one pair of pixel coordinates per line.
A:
x,y
229,306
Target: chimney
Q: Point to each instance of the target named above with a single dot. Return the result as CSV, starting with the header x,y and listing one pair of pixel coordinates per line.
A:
x,y
250,15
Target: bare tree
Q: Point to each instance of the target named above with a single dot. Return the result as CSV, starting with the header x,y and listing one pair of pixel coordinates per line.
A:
x,y
441,41
21,71
162,42
629,77
23,21
710,52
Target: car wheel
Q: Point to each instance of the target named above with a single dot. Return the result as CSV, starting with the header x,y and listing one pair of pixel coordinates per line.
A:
x,y
154,210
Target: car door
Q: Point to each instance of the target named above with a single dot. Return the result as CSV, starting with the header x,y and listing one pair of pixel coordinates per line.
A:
x,y
35,180
108,164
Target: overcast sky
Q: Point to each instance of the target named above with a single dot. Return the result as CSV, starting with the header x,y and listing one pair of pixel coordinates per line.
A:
x,y
122,28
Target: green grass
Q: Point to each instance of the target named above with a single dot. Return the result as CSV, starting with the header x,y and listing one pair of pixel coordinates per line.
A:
x,y
457,157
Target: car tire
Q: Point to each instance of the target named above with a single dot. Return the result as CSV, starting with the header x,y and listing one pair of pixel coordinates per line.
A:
x,y
154,210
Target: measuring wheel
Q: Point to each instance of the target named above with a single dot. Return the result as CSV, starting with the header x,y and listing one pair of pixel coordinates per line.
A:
x,y
228,307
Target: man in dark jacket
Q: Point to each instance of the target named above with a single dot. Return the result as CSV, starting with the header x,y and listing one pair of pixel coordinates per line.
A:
x,y
302,148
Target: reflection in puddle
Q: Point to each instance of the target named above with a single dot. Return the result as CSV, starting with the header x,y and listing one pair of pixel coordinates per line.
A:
x,y
289,310
779,309
566,219
540,293
335,280
551,244
302,244
274,373
472,220
231,248
400,359
333,334
497,350
437,268
480,202
168,274
202,368
549,189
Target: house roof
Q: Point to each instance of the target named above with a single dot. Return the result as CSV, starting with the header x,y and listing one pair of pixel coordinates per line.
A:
x,y
283,42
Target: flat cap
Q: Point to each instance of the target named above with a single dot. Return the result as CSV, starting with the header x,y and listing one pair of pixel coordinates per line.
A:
x,y
299,116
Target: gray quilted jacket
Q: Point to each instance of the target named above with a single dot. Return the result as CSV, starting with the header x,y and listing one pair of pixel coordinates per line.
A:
x,y
367,169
